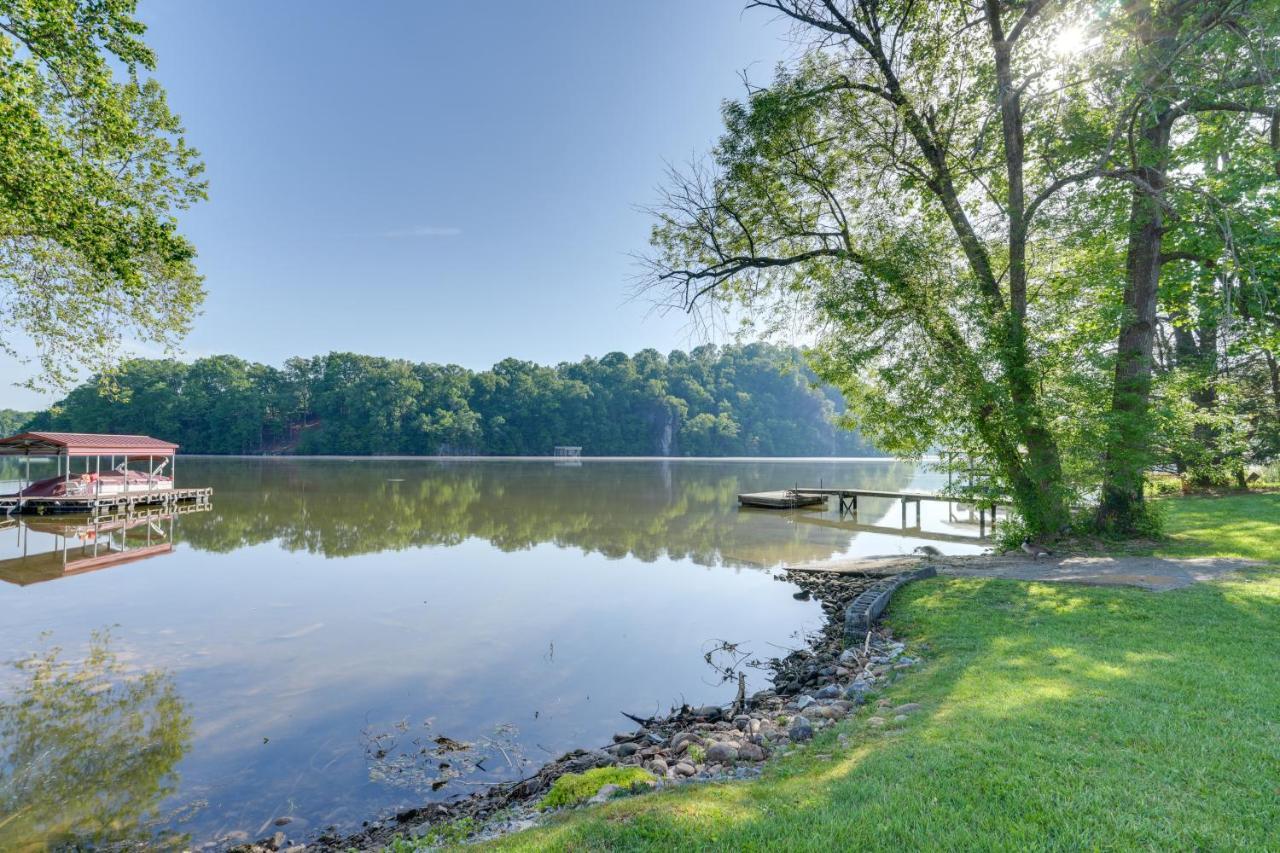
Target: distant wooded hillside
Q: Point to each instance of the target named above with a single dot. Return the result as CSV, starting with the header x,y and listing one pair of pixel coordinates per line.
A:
x,y
754,400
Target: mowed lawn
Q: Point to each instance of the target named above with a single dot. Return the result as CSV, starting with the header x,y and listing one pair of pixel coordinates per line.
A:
x,y
1055,717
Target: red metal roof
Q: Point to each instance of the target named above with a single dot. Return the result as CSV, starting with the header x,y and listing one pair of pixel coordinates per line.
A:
x,y
83,444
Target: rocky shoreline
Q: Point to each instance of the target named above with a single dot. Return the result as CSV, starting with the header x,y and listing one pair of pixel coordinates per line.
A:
x,y
814,687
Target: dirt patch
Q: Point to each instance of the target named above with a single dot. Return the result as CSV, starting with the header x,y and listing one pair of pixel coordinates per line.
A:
x,y
1158,574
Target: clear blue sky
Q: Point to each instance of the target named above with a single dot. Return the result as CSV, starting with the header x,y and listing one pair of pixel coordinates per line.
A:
x,y
439,181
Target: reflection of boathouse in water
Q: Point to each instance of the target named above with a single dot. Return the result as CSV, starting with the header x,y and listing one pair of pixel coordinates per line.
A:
x,y
65,545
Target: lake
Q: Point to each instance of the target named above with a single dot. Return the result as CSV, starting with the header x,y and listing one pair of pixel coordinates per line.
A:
x,y
337,639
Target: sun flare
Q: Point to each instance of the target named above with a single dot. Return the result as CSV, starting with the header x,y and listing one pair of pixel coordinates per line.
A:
x,y
1071,40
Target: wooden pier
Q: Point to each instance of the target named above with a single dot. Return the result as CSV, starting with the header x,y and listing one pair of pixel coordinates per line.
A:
x,y
123,502
800,497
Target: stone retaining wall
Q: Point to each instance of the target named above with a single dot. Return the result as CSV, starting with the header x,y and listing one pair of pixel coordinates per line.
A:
x,y
870,603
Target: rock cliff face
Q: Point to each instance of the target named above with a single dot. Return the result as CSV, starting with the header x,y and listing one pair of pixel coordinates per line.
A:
x,y
666,435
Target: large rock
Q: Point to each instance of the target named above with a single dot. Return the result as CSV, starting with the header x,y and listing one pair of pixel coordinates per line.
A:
x,y
605,792
803,702
679,739
685,768
722,753
831,691
750,752
828,712
801,730
581,761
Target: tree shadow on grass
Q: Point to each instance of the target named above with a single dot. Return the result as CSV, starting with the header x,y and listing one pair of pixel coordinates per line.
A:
x,y
1054,716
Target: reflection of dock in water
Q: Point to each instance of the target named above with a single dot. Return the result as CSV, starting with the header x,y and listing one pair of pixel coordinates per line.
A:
x,y
89,543
912,532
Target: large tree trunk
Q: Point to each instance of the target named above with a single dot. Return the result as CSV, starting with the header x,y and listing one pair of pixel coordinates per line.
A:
x,y
1127,453
1037,484
1273,367
1126,457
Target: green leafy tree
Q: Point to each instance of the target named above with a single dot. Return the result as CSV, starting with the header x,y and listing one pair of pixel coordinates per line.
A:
x,y
971,223
1176,68
885,192
93,169
12,421
756,399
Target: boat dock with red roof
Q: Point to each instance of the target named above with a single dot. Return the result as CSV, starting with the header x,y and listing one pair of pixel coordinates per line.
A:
x,y
92,490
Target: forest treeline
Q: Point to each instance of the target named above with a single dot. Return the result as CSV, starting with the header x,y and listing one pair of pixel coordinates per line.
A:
x,y
756,400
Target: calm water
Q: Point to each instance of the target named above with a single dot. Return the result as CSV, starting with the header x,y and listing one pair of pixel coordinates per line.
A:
x,y
335,639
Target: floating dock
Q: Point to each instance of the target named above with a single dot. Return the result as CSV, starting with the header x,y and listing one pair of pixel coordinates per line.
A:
x,y
785,499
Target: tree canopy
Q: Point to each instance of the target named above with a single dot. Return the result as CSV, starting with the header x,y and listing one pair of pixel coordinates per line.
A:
x,y
753,400
966,203
93,170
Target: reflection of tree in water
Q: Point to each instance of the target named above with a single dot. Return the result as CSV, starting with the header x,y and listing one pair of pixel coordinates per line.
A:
x,y
87,750
644,509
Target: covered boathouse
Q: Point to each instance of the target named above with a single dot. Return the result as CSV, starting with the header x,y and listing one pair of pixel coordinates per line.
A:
x,y
82,483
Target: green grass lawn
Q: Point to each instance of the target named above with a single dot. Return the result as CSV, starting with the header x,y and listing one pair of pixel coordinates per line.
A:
x,y
1055,716
1232,526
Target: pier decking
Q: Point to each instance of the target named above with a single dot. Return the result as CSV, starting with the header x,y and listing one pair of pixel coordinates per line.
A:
x,y
801,497
99,504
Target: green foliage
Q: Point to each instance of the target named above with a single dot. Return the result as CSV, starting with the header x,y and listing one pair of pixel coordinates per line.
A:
x,y
957,212
697,753
13,421
755,400
573,788
93,169
1163,485
1010,533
